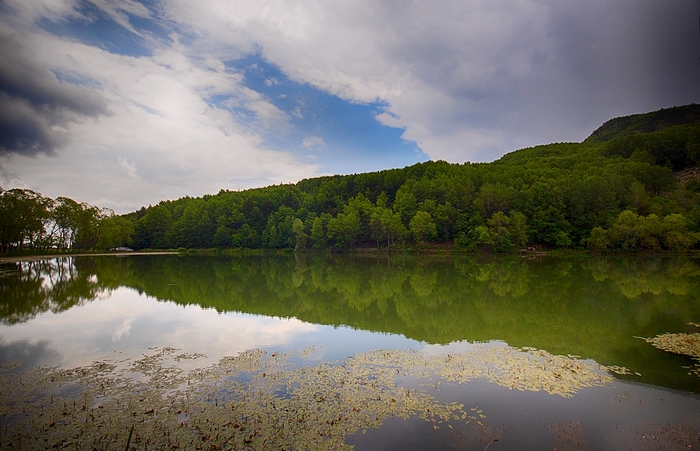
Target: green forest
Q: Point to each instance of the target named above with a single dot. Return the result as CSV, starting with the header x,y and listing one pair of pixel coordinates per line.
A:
x,y
633,184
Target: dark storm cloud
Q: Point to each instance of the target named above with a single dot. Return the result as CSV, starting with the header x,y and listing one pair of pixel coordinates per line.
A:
x,y
615,58
584,63
33,102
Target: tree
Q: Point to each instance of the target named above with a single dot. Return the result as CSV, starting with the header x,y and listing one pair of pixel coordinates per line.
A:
x,y
343,229
278,233
493,198
561,239
598,240
386,226
299,231
499,225
88,234
245,237
23,214
115,231
154,228
422,227
318,234
624,232
482,237
405,203
518,229
194,228
65,217
676,234
649,231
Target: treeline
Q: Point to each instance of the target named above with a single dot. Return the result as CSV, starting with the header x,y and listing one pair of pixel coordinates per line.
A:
x,y
609,192
617,190
32,222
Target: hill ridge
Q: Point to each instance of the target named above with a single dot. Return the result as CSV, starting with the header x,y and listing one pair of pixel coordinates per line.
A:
x,y
645,122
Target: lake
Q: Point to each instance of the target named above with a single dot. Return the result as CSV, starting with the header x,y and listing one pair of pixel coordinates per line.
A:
x,y
335,352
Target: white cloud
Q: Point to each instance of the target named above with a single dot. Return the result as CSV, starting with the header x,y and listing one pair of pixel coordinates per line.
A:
x,y
465,79
161,122
313,142
296,112
129,167
502,74
28,11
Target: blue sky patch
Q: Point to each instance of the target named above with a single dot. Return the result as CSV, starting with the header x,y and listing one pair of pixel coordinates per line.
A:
x,y
101,31
341,136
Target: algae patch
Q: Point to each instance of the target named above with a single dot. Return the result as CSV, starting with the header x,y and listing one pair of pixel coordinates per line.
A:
x,y
687,344
260,400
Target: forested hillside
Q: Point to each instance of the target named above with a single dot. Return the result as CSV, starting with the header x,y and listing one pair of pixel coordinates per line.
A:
x,y
629,186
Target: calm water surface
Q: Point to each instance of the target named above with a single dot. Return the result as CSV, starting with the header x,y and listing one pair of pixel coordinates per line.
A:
x,y
518,342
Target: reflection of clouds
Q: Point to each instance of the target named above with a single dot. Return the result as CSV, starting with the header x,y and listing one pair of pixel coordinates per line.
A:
x,y
30,354
138,322
123,329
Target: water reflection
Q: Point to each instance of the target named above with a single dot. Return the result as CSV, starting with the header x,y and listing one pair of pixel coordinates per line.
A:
x,y
261,400
592,307
487,361
128,323
25,354
33,287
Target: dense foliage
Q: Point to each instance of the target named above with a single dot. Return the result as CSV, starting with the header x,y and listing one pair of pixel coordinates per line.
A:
x,y
629,186
30,221
616,190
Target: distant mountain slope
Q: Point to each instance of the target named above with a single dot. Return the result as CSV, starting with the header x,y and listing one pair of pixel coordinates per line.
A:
x,y
615,191
645,123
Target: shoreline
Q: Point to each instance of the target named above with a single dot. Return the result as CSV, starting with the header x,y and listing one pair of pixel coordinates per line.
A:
x,y
434,252
22,258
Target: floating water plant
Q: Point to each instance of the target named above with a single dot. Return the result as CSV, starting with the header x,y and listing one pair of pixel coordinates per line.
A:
x,y
681,343
258,400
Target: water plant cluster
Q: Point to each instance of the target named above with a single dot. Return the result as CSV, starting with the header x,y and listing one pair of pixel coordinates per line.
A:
x,y
261,400
683,343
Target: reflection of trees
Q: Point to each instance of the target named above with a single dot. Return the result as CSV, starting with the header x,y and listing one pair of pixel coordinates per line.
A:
x,y
437,300
562,305
33,287
588,306
635,277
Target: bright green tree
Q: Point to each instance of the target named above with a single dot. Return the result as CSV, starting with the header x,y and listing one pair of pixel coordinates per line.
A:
x,y
422,227
344,229
300,233
676,234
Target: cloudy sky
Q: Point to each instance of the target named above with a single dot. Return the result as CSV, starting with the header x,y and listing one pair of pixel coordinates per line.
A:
x,y
122,103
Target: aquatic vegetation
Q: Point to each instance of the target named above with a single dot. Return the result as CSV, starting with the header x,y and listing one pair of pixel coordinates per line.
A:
x,y
526,369
252,401
669,436
681,343
258,400
569,435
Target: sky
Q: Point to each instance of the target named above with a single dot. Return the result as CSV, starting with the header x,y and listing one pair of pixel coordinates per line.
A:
x,y
124,103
